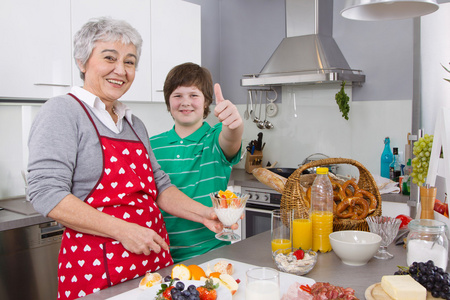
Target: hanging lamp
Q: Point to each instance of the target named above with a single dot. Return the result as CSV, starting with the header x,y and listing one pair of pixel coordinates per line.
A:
x,y
383,10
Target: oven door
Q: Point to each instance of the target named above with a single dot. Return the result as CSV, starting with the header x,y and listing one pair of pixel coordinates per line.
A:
x,y
257,219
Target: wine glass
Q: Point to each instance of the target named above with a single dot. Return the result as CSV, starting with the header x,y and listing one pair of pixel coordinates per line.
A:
x,y
387,228
229,211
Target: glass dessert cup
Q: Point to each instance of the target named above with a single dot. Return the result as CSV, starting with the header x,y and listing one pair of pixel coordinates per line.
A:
x,y
387,228
229,211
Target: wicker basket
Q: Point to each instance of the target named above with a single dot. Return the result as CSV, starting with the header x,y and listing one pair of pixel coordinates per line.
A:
x,y
294,195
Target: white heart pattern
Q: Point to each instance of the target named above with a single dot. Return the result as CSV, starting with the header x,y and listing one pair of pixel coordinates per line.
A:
x,y
107,171
149,224
114,184
140,211
88,277
131,203
81,263
133,166
119,269
100,186
100,208
126,215
106,199
129,184
87,248
90,199
123,280
104,276
79,235
96,290
62,278
68,234
121,195
156,260
142,185
73,248
125,254
139,151
144,263
133,267
74,278
113,159
145,196
96,262
121,171
109,255
145,166
126,152
67,294
150,178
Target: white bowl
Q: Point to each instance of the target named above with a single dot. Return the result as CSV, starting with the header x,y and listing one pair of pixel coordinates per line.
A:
x,y
355,248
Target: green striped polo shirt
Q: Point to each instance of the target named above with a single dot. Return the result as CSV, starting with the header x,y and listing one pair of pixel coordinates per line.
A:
x,y
198,167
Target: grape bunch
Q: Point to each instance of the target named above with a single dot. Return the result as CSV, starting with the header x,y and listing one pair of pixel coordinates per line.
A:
x,y
422,151
433,278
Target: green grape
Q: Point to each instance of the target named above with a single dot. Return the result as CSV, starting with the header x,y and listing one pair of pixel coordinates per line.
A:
x,y
420,163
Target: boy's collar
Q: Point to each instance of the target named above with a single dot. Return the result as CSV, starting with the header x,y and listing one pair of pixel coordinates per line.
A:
x,y
174,137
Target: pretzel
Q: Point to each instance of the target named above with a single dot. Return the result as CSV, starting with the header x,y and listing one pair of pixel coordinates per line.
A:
x,y
346,187
348,209
372,200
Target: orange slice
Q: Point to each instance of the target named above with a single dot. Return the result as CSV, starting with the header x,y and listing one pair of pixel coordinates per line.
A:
x,y
196,272
215,274
149,280
181,272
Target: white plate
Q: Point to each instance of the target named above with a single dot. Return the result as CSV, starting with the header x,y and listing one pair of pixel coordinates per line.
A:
x,y
149,294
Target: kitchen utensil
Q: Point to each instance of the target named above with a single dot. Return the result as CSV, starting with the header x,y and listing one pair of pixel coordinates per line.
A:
x,y
246,113
354,247
387,228
295,106
256,119
267,124
229,211
252,112
260,123
272,108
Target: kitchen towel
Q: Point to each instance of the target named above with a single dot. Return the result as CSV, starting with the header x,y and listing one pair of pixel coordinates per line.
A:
x,y
385,185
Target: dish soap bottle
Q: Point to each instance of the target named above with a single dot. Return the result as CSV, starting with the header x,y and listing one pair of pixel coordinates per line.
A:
x,y
386,158
321,211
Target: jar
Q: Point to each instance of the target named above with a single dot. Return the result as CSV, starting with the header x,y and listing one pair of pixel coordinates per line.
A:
x,y
427,241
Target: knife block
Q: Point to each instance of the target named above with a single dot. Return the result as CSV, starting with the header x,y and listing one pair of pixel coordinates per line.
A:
x,y
253,161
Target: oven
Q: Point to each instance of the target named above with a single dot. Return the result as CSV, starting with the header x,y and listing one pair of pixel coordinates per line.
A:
x,y
258,210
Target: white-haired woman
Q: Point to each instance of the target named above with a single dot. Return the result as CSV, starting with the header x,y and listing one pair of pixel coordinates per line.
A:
x,y
92,169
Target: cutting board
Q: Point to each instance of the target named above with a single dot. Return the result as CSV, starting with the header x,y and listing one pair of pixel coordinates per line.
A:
x,y
376,292
240,268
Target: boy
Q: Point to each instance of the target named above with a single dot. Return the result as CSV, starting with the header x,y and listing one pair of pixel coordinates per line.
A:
x,y
197,157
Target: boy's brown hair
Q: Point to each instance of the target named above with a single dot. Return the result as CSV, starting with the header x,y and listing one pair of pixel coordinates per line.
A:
x,y
190,74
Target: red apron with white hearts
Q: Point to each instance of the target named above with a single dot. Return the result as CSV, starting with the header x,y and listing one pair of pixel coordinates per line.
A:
x,y
126,190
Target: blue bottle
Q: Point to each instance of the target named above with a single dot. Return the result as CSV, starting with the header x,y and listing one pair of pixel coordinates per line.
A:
x,y
386,158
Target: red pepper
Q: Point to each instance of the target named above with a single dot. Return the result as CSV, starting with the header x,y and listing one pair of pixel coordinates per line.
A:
x,y
405,220
306,288
441,208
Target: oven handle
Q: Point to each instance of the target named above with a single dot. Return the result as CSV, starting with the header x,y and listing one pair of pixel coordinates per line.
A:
x,y
263,211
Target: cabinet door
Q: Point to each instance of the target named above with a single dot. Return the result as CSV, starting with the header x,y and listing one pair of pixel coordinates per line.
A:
x,y
36,48
176,38
135,12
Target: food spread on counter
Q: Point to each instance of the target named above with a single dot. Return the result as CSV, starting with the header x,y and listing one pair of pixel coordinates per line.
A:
x,y
318,291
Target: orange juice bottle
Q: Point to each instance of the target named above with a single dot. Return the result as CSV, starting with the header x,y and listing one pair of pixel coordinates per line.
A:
x,y
281,244
321,211
302,233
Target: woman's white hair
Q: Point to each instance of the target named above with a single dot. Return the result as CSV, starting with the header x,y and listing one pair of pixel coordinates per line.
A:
x,y
103,29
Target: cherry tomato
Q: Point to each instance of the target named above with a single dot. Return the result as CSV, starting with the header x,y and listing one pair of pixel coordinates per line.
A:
x,y
405,220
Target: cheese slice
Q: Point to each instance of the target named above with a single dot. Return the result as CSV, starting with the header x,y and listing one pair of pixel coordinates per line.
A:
x,y
403,287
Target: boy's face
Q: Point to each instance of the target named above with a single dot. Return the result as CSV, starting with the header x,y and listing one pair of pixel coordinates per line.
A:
x,y
187,105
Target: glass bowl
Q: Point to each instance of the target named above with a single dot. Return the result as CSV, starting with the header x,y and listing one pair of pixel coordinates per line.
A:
x,y
287,262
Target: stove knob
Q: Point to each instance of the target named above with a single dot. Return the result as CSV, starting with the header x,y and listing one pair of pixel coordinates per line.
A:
x,y
256,196
250,196
266,198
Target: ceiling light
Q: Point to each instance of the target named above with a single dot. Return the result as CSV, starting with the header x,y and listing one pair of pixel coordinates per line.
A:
x,y
381,10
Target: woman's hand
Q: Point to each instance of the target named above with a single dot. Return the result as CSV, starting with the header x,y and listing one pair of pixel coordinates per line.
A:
x,y
141,240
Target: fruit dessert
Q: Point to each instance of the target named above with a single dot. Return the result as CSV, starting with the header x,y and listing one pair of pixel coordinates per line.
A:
x,y
229,208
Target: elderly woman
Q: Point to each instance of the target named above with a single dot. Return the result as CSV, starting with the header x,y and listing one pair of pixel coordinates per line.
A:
x,y
92,169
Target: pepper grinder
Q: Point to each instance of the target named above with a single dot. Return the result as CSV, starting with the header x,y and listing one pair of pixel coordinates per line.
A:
x,y
427,199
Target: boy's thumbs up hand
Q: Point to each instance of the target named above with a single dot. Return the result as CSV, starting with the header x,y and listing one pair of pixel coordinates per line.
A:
x,y
226,111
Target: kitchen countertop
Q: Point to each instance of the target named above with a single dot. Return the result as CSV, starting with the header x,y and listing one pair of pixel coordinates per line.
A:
x,y
256,251
11,219
239,177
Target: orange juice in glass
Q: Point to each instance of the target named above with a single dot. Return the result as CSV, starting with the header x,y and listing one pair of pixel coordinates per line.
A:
x,y
322,226
302,233
281,229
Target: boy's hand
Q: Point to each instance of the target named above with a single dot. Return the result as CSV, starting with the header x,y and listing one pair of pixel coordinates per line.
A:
x,y
226,111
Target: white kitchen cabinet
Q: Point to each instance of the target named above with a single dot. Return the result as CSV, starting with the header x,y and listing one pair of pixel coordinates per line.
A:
x,y
35,56
176,38
135,12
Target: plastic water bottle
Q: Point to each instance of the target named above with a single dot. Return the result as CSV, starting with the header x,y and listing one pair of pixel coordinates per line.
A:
x,y
321,211
386,158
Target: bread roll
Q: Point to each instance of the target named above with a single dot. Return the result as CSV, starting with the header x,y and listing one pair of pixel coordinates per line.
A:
x,y
270,179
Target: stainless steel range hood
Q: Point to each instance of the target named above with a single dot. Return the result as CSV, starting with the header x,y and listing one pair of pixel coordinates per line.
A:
x,y
309,54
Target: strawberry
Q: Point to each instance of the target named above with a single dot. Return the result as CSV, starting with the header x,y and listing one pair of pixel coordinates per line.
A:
x,y
166,294
299,254
223,203
208,291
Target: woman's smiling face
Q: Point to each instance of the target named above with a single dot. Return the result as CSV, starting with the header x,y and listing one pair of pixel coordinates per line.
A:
x,y
110,70
187,105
